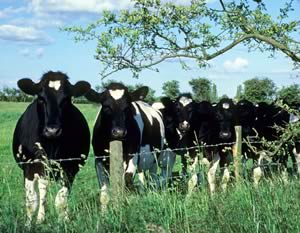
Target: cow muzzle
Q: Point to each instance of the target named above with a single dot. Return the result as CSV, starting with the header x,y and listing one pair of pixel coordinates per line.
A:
x,y
225,135
184,126
118,133
52,132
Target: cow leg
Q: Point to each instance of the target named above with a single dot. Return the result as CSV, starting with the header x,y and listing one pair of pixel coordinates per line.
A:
x,y
225,174
193,172
61,199
257,171
297,160
130,172
103,184
211,175
42,185
31,199
166,161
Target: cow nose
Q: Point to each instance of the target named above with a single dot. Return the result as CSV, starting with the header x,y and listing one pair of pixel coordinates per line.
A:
x,y
184,126
52,131
225,135
118,133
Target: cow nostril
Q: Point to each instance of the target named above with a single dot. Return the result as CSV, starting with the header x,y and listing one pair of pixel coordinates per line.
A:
x,y
225,134
118,132
52,131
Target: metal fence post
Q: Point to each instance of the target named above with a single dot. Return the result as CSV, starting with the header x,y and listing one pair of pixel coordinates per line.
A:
x,y
116,171
237,153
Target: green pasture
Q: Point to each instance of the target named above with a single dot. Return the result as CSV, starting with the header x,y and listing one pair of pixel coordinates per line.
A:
x,y
273,207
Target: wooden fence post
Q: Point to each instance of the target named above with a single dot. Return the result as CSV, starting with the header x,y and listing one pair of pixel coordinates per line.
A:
x,y
237,153
116,171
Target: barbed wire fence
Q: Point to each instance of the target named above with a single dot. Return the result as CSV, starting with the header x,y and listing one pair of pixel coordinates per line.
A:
x,y
116,159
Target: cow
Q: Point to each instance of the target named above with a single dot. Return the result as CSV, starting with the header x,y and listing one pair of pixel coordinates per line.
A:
x,y
267,118
180,120
51,139
245,112
225,113
125,117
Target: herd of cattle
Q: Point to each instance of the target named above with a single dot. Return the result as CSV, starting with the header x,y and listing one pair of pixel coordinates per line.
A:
x,y
52,137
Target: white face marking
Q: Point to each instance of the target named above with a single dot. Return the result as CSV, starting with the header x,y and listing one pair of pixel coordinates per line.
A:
x,y
116,94
55,84
185,101
225,105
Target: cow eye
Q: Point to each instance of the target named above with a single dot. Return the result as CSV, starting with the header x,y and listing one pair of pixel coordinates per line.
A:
x,y
107,109
41,100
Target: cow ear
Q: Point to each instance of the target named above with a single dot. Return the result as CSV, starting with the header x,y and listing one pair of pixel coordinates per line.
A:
x,y
166,101
80,88
28,86
94,96
139,94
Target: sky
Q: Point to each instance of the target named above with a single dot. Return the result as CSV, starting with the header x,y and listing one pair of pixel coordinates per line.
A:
x,y
31,43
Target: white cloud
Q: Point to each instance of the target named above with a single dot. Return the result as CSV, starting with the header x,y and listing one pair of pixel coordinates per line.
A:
x,y
25,52
92,6
39,52
238,64
23,34
9,11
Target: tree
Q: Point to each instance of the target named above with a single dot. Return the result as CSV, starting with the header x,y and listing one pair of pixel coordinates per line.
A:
x,y
171,89
154,31
290,95
239,93
259,89
214,93
201,88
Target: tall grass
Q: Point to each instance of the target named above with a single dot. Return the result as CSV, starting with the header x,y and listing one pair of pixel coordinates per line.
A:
x,y
273,207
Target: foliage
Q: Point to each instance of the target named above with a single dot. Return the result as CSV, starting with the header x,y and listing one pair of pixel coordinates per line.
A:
x,y
259,90
290,95
14,94
171,89
239,92
150,98
153,31
202,89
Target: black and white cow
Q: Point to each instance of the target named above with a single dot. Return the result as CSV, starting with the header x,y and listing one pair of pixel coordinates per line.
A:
x,y
180,120
267,117
225,111
123,116
49,132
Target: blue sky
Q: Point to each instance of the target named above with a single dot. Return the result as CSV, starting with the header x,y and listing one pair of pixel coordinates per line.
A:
x,y
31,44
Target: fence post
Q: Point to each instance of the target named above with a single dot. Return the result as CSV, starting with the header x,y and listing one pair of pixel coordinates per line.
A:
x,y
116,171
237,153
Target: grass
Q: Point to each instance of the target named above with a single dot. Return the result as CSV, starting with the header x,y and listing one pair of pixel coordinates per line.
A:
x,y
273,207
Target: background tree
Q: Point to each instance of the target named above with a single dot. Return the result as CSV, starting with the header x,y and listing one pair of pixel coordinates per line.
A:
x,y
239,93
201,88
259,89
171,89
214,93
290,95
152,32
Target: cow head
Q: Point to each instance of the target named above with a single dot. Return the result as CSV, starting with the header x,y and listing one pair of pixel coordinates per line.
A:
x,y
54,93
116,106
245,111
182,110
225,115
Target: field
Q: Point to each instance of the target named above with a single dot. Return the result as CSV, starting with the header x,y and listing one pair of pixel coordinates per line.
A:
x,y
273,207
